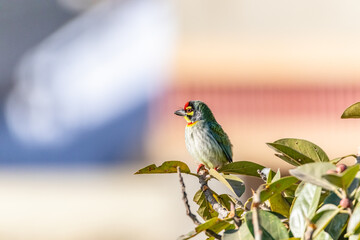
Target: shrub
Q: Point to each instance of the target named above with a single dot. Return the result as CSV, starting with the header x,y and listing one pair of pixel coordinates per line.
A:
x,y
320,200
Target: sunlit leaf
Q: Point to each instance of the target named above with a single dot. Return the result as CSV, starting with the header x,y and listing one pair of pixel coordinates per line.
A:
x,y
235,184
313,172
298,151
277,187
277,176
272,192
327,218
344,179
354,221
220,225
205,209
271,226
279,204
336,160
243,233
323,236
209,224
225,200
352,112
166,167
304,208
242,168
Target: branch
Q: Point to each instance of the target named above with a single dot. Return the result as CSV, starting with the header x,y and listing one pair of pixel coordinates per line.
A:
x,y
308,235
187,207
255,215
202,173
185,199
233,215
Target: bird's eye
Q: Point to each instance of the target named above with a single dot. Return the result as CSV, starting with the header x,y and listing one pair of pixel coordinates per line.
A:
x,y
189,110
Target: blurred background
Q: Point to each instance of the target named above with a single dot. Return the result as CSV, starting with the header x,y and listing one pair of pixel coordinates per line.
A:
x,y
88,89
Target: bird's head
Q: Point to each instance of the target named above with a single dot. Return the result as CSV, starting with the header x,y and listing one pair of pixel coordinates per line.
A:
x,y
194,111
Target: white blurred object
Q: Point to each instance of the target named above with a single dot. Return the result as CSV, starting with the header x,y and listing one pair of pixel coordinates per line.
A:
x,y
104,63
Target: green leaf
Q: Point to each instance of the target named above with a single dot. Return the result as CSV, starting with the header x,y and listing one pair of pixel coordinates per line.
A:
x,y
225,200
344,179
299,188
298,151
235,184
242,168
354,237
337,225
336,160
304,208
232,235
352,112
323,217
209,224
271,226
277,176
205,209
332,198
269,175
354,186
277,187
166,167
313,172
279,204
323,236
243,233
354,221
220,225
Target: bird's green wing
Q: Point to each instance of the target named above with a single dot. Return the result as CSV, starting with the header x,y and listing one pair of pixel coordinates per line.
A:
x,y
222,139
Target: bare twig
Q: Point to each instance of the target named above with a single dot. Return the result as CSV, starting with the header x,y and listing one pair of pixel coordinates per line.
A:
x,y
187,207
255,215
185,199
236,219
202,173
309,231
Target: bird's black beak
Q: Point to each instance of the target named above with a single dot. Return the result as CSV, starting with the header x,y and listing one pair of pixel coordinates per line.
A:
x,y
180,112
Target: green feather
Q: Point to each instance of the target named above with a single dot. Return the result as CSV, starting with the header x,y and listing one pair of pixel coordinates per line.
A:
x,y
222,139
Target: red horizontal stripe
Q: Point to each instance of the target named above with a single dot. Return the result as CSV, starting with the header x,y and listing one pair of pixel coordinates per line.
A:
x,y
262,101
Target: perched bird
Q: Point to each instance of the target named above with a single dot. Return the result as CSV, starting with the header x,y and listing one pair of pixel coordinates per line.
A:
x,y
205,139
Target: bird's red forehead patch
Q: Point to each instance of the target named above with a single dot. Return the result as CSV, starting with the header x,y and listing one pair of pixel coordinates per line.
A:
x,y
186,105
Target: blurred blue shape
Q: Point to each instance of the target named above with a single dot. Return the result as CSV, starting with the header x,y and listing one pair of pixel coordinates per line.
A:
x,y
82,95
117,141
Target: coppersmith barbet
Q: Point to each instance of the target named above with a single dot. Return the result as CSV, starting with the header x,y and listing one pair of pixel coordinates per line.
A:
x,y
205,139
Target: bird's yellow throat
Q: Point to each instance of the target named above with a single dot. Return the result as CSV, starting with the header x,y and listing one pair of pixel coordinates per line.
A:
x,y
190,123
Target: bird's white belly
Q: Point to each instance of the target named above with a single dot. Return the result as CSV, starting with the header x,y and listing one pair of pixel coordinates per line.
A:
x,y
203,147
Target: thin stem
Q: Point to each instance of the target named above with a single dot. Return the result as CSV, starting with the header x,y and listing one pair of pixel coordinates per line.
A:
x,y
255,215
185,199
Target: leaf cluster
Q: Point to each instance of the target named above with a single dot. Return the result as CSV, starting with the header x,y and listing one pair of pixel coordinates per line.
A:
x,y
316,202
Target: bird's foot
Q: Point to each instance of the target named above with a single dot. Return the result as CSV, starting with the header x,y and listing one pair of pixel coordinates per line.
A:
x,y
199,167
